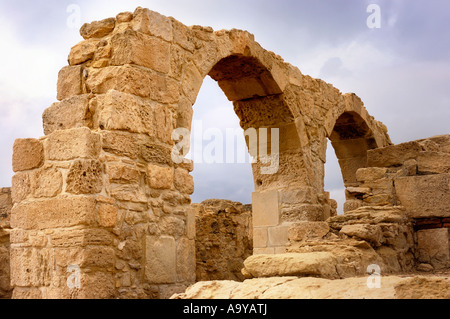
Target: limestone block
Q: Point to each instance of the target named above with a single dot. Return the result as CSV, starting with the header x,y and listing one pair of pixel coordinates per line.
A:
x,y
27,154
302,195
80,237
184,114
160,260
121,173
321,264
163,123
190,223
307,230
305,212
433,162
97,285
97,29
260,237
370,233
55,212
349,167
83,51
184,182
182,35
69,82
46,182
85,177
69,113
134,80
278,235
131,47
370,173
393,155
125,112
424,196
192,82
186,265
172,226
107,215
152,23
128,192
21,187
31,267
73,143
433,247
265,208
160,177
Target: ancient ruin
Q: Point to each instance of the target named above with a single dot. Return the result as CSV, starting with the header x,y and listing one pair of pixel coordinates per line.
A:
x,y
99,208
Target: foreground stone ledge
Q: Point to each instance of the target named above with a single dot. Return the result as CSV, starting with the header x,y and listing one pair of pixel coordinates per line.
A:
x,y
392,287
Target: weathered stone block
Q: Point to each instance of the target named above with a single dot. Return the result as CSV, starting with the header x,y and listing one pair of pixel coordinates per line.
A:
x,y
70,113
121,111
134,80
21,187
80,237
121,173
192,82
183,181
424,196
307,230
185,259
265,208
31,267
433,162
73,143
85,177
131,47
46,182
69,82
83,52
182,35
27,154
160,260
97,29
160,177
370,174
433,247
306,212
55,212
278,235
260,237
152,23
393,155
306,195
128,192
370,233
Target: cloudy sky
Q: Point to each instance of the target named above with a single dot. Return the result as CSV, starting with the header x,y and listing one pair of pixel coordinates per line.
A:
x,y
400,70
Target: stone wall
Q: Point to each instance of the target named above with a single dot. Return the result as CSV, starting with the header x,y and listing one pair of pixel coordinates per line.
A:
x,y
415,175
5,210
223,239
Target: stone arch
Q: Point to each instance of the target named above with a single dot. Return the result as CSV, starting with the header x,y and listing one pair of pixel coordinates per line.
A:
x,y
353,133
101,190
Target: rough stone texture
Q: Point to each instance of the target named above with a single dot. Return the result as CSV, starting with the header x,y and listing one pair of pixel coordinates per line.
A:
x,y
392,287
70,113
5,210
223,239
27,154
